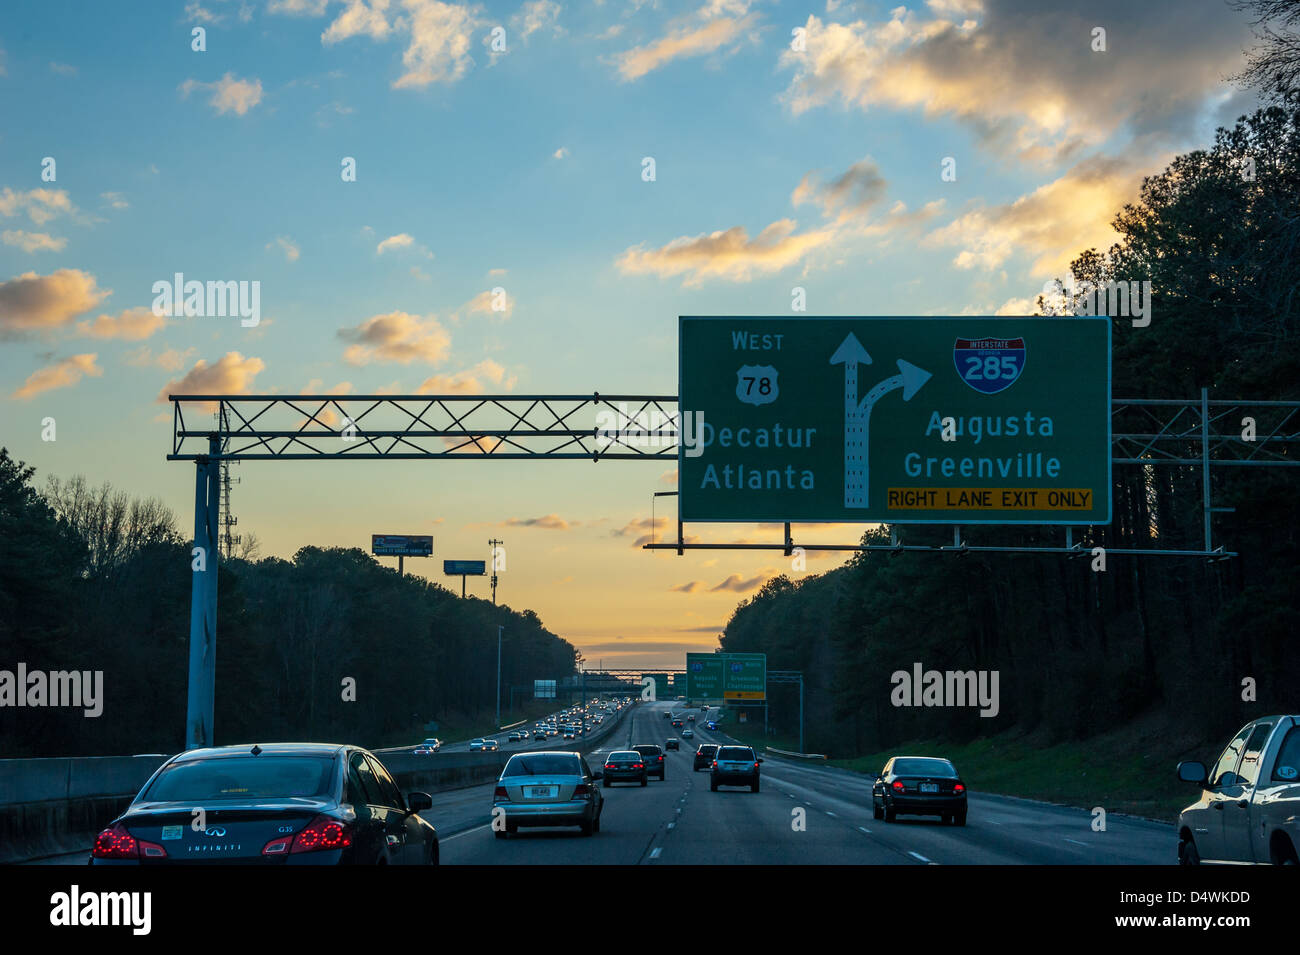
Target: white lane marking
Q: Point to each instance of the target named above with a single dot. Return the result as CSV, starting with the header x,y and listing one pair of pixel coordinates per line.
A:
x,y
918,856
486,825
1076,842
654,854
864,829
829,813
995,823
672,825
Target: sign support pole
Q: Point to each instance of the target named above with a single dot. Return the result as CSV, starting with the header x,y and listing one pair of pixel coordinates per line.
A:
x,y
201,696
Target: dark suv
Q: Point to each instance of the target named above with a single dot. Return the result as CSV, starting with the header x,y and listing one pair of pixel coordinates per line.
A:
x,y
704,756
654,759
734,766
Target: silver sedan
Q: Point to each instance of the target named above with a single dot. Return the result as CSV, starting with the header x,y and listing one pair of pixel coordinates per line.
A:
x,y
546,789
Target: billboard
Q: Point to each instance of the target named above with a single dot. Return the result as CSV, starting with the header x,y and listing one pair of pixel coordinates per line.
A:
x,y
544,689
726,676
895,420
455,568
400,545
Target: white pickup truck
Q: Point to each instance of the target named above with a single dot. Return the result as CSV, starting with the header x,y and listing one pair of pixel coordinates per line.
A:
x,y
1249,810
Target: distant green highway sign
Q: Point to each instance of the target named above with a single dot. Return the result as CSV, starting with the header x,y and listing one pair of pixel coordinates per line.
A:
x,y
726,676
895,420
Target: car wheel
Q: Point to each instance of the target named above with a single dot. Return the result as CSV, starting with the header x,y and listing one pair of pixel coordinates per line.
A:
x,y
433,854
960,818
1187,854
605,784
588,828
753,787
876,811
644,781
890,815
713,785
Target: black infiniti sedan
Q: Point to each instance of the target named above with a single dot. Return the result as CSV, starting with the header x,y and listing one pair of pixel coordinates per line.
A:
x,y
919,786
276,803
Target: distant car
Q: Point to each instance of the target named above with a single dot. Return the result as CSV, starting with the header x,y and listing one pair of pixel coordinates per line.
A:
x,y
690,718
668,714
539,734
704,756
677,724
734,766
423,750
671,743
515,736
475,745
1249,807
711,724
654,758
271,804
688,733
919,786
624,766
547,789
490,746
433,743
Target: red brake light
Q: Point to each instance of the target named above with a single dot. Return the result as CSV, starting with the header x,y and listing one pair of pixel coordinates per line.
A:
x,y
958,788
898,785
321,833
500,793
582,789
115,843
715,764
611,766
661,758
756,765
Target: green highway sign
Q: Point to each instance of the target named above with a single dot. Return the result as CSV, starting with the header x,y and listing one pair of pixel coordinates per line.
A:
x,y
895,420
726,676
661,684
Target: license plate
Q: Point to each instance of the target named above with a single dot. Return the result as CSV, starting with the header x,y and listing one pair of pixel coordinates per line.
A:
x,y
539,792
929,787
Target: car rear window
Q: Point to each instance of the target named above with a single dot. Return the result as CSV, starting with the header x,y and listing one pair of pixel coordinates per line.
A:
x,y
708,749
243,777
924,767
625,754
736,752
648,750
543,764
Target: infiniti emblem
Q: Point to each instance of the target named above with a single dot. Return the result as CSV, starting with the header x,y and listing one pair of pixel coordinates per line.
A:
x,y
215,831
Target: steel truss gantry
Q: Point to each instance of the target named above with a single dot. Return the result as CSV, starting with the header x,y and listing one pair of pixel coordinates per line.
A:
x,y
1147,432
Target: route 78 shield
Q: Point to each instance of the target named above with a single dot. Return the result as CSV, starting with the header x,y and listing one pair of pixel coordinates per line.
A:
x,y
756,384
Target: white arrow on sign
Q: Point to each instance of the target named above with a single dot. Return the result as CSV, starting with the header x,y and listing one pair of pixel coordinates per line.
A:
x,y
857,415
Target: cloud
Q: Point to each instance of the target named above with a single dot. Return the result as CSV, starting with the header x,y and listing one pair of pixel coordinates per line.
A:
x,y
33,302
730,255
1053,223
534,15
114,200
131,325
233,374
62,374
549,522
561,153
1022,74
687,588
288,246
705,31
171,359
33,241
229,95
63,69
471,381
41,205
851,194
481,304
301,8
740,585
402,240
397,337
439,36
668,477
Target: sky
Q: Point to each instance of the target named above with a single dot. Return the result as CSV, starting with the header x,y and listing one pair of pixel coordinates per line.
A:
x,y
540,189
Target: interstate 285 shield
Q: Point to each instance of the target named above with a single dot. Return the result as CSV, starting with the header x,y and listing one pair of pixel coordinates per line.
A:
x,y
989,365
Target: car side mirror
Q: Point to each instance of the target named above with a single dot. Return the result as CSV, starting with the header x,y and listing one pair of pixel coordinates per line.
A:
x,y
1191,771
419,802
597,773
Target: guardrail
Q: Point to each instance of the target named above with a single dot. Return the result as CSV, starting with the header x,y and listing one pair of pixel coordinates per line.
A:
x,y
784,752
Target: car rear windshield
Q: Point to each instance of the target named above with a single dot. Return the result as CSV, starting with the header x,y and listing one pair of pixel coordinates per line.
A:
x,y
647,750
708,748
627,754
924,767
243,777
736,752
543,764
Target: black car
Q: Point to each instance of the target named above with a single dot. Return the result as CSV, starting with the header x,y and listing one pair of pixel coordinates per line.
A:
x,y
276,803
734,766
654,758
704,756
672,743
919,786
624,766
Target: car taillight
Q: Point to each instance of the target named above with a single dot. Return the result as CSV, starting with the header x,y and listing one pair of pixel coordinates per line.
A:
x,y
611,766
756,765
115,842
661,759
500,793
319,834
898,785
582,789
638,765
715,764
958,788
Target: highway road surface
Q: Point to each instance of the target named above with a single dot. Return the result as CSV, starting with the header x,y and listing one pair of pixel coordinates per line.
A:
x,y
804,814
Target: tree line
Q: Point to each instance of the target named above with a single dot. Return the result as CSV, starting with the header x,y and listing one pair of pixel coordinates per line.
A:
x,y
92,579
